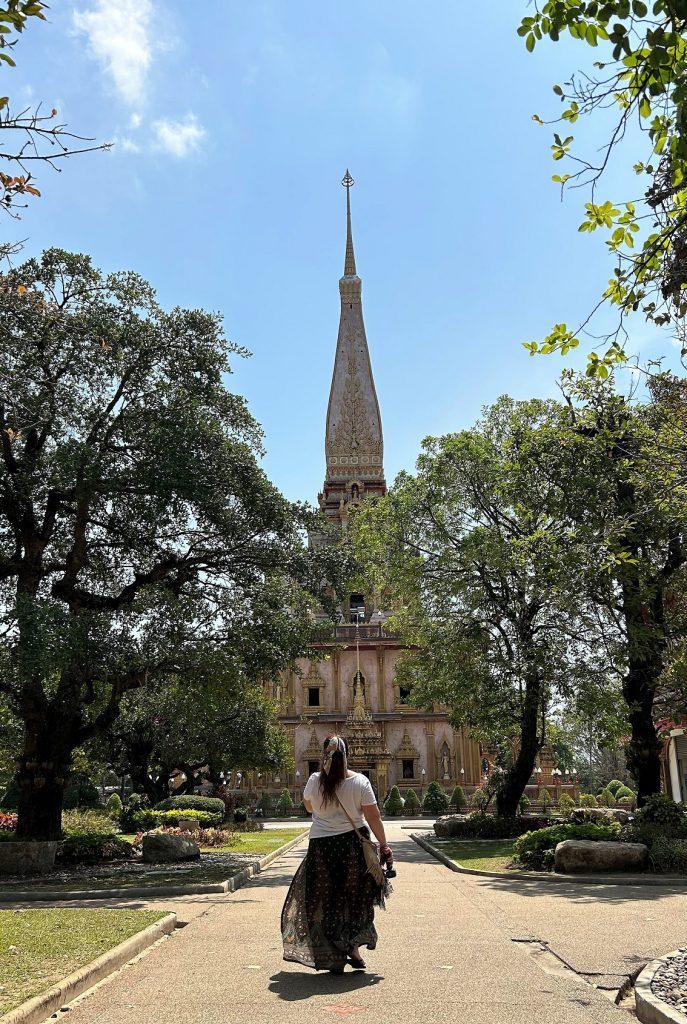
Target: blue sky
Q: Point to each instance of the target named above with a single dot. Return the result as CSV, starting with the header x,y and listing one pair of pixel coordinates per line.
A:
x,y
232,131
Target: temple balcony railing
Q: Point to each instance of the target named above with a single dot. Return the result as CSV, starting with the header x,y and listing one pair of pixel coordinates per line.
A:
x,y
365,632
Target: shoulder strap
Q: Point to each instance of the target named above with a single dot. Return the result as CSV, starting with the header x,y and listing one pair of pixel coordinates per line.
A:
x,y
357,831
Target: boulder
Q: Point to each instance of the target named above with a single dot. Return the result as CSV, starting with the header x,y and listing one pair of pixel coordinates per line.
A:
x,y
160,847
450,825
601,815
586,856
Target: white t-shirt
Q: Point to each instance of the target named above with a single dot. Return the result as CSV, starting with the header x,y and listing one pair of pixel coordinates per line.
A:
x,y
355,793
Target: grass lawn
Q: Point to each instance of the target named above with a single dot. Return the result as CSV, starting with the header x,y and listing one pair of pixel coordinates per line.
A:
x,y
259,844
51,944
482,854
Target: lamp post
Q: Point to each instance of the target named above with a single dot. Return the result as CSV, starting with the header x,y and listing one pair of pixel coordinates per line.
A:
x,y
298,786
422,783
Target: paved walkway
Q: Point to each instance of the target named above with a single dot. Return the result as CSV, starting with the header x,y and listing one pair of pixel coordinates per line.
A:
x,y
446,953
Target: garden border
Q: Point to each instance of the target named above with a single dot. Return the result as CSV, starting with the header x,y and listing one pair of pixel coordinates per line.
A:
x,y
40,1007
551,877
651,1009
152,891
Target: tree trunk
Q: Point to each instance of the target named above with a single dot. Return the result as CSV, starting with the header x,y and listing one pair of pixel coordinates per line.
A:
x,y
518,775
41,779
643,749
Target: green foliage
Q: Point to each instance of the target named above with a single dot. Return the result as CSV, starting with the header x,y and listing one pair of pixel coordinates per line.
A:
x,y
207,819
544,798
114,806
624,793
606,798
212,804
285,804
131,421
588,800
659,809
266,804
133,805
412,801
524,802
639,72
531,848
458,798
89,837
143,820
627,802
435,801
393,804
565,803
479,799
614,785
81,792
487,826
670,855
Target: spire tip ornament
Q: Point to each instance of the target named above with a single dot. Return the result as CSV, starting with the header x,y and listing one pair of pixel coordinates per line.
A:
x,y
349,263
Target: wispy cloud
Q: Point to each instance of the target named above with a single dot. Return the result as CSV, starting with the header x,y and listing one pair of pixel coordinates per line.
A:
x,y
118,33
178,138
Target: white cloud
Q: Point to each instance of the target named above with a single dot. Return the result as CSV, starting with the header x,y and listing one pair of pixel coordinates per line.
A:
x,y
178,138
118,33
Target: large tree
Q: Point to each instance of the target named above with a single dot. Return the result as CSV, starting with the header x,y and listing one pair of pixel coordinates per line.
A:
x,y
635,91
481,555
138,535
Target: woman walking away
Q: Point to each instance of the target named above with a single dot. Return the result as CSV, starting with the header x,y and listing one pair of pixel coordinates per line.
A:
x,y
329,910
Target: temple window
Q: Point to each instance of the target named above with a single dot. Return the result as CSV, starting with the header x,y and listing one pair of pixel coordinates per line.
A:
x,y
357,607
404,694
408,768
313,696
313,766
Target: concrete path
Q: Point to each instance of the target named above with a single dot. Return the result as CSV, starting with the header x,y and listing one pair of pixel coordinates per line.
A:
x,y
446,953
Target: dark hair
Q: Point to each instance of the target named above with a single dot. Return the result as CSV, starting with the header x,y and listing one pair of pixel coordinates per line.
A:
x,y
329,781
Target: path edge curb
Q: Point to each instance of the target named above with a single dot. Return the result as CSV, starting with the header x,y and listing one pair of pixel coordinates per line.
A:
x,y
202,889
650,1009
39,1008
552,878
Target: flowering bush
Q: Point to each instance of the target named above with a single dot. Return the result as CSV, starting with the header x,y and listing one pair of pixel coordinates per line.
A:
x,y
205,837
8,822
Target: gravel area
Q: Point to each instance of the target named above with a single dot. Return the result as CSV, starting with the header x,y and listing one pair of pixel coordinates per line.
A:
x,y
670,982
233,862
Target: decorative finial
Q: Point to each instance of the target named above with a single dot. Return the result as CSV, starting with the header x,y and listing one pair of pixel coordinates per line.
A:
x,y
349,263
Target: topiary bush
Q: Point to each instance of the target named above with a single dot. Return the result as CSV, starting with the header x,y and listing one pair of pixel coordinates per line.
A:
x,y
524,802
458,798
191,802
393,804
606,798
565,804
588,800
285,804
265,804
614,785
544,798
412,801
627,802
532,848
204,818
479,799
435,801
114,806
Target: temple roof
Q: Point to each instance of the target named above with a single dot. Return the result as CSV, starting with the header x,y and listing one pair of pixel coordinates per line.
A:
x,y
353,442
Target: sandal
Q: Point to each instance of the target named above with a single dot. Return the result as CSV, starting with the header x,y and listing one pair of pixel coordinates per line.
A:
x,y
357,962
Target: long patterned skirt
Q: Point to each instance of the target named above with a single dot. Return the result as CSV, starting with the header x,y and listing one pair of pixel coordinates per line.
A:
x,y
330,904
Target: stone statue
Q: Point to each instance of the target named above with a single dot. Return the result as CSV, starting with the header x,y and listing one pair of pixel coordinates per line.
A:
x,y
445,764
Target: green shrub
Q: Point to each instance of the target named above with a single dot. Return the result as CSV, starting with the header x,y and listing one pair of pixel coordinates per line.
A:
x,y
524,802
627,802
393,804
544,798
660,809
204,818
114,806
143,821
89,837
479,799
588,800
458,799
413,801
211,804
265,804
614,785
285,804
435,801
622,791
670,855
606,798
80,792
134,804
531,849
565,803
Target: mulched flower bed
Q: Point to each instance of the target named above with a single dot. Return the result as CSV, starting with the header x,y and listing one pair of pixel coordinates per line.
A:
x,y
230,863
670,982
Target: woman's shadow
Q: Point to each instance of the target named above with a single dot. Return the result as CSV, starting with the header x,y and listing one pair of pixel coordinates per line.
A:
x,y
292,985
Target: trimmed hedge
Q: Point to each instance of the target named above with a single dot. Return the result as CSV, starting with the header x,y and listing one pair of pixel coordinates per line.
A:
x,y
145,820
535,849
458,798
211,804
394,803
588,800
487,826
412,801
435,801
285,804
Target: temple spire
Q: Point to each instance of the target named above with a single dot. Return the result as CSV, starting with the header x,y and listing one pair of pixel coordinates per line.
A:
x,y
349,263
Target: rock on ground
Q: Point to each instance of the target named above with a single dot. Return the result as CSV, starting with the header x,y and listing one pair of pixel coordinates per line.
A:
x,y
588,856
160,847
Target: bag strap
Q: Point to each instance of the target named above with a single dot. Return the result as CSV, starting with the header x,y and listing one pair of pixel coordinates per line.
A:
x,y
359,834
